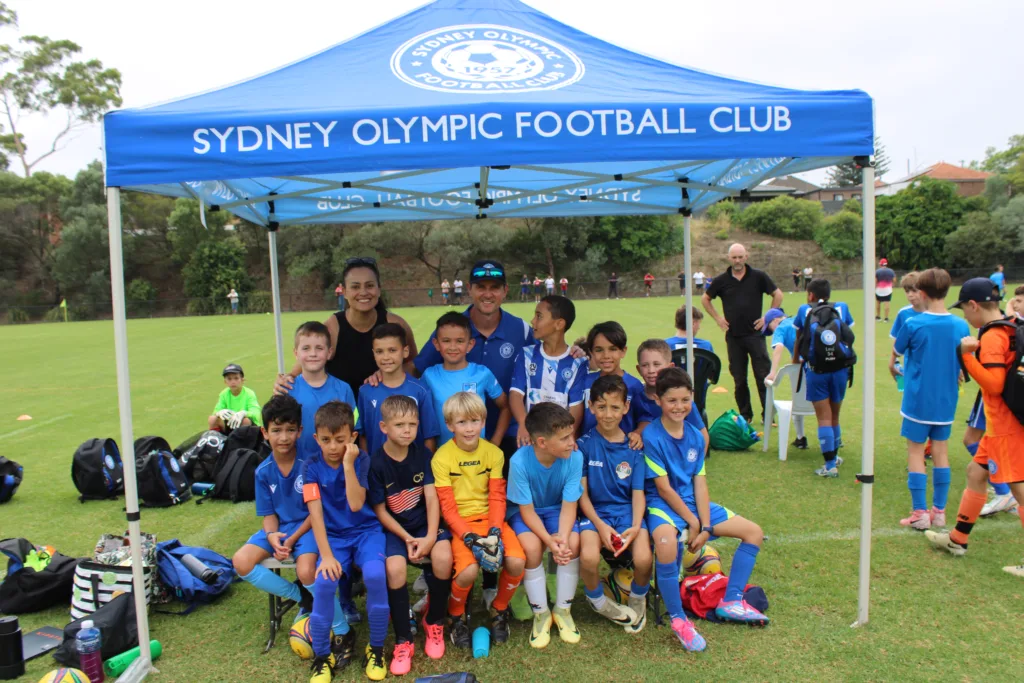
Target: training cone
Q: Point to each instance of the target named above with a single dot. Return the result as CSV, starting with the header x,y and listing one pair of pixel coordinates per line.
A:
x,y
23,418
719,390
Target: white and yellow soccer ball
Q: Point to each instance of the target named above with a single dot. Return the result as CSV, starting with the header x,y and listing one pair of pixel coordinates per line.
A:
x,y
704,561
617,585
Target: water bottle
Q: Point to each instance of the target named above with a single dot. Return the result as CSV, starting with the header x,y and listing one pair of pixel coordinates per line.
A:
x,y
481,642
200,488
198,569
12,662
89,646
899,377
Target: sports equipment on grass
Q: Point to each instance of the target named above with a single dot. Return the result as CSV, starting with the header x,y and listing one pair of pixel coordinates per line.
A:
x,y
920,520
567,630
540,636
704,561
1003,503
65,676
11,475
684,630
739,611
162,482
616,613
730,432
299,639
97,471
942,541
617,584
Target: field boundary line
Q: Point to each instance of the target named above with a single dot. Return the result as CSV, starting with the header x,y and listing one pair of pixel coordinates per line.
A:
x,y
33,426
884,532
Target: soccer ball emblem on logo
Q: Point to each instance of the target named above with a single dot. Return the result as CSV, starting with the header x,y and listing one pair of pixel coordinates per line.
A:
x,y
691,455
567,374
623,470
507,350
488,61
828,337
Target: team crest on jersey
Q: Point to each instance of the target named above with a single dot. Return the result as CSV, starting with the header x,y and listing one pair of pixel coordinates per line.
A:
x,y
691,455
531,368
469,386
507,350
298,484
992,467
623,470
567,374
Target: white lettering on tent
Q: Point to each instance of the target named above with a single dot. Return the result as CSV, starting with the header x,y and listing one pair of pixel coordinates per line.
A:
x,y
548,115
441,125
199,136
326,132
623,121
777,114
457,122
366,122
242,147
714,124
272,133
388,140
580,133
604,114
301,135
782,118
648,121
522,122
483,131
406,127
223,137
753,120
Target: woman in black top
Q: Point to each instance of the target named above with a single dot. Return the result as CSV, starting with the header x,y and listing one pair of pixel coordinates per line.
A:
x,y
351,355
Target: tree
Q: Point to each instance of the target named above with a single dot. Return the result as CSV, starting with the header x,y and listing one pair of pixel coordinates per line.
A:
x,y
997,161
632,242
849,174
30,226
551,245
979,242
308,251
216,267
186,231
1011,221
997,192
911,225
43,77
796,219
841,236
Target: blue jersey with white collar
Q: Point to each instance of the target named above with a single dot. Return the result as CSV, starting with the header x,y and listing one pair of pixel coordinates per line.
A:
x,y
311,398
444,383
544,379
902,316
931,368
532,483
371,399
613,472
277,494
632,418
652,412
679,459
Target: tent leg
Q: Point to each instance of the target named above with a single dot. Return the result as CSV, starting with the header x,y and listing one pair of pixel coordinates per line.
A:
x,y
688,272
867,467
275,286
124,403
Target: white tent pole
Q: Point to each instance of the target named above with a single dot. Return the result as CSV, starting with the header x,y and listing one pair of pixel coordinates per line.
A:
x,y
688,272
124,404
275,287
867,467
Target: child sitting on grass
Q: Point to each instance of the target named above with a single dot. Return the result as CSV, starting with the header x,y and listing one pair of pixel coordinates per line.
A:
x,y
237,405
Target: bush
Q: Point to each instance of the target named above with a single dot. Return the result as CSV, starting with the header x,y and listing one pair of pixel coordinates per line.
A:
x,y
54,315
258,302
722,234
796,219
140,294
979,242
726,208
841,235
203,306
17,316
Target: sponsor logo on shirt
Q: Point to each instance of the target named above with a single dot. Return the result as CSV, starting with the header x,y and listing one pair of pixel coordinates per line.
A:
x,y
373,402
405,500
623,470
596,463
273,488
469,463
691,455
469,386
417,478
507,350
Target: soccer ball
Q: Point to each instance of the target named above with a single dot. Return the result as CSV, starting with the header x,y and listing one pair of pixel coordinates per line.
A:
x,y
704,561
617,585
65,676
299,639
488,61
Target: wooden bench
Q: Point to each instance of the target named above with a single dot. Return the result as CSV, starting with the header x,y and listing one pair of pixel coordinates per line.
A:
x,y
279,607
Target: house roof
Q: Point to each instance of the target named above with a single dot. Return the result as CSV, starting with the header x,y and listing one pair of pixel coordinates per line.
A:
x,y
791,181
769,188
944,171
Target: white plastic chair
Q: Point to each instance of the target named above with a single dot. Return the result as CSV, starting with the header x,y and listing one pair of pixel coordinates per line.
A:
x,y
798,408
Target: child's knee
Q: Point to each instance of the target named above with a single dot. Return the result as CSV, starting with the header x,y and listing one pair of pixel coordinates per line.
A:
x,y
244,561
396,571
324,587
515,565
305,568
441,560
754,535
246,422
590,553
666,542
467,576
574,544
532,548
212,421
374,575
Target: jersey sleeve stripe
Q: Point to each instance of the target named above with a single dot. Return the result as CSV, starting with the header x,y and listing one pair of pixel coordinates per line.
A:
x,y
655,467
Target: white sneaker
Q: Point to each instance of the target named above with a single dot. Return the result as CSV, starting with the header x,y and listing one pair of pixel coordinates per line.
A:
x,y
613,611
941,541
420,584
489,595
639,606
1003,503
1017,570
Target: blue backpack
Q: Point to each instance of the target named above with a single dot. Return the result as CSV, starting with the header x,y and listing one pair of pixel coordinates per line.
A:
x,y
187,587
826,342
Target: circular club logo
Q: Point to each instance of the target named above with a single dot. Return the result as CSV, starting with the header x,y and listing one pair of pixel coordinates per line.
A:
x,y
298,484
623,470
507,350
174,465
828,337
691,455
483,58
108,461
567,374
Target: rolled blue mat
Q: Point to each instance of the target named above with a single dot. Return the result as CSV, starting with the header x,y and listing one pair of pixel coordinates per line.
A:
x,y
481,642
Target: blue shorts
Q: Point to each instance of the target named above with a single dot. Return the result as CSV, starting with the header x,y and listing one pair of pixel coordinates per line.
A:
x,y
919,432
618,522
305,544
548,517
357,549
659,512
827,387
977,416
393,545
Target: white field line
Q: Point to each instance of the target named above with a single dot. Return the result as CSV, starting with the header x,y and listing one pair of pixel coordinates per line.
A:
x,y
1001,522
223,521
33,426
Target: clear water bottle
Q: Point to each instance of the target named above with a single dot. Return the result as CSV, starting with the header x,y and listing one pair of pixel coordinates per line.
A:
x,y
89,652
899,377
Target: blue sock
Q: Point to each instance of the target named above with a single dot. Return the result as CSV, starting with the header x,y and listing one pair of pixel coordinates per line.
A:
x,y
940,487
1001,489
324,590
739,574
837,434
269,582
827,441
973,449
668,585
345,591
639,591
377,610
340,623
594,594
917,482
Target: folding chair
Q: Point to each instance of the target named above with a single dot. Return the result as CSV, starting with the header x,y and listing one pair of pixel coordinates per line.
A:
x,y
709,370
798,408
278,606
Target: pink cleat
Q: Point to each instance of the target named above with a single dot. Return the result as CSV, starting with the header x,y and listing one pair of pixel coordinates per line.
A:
x,y
688,636
938,517
401,661
739,611
434,645
920,520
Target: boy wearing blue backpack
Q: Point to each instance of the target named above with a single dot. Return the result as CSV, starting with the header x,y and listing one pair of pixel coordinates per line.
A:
x,y
825,345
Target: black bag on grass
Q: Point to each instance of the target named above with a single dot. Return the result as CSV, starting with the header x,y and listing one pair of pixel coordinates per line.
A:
x,y
199,459
234,478
250,437
97,471
118,631
11,475
161,480
26,589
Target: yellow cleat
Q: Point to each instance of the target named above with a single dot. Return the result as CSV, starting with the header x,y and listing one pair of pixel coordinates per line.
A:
x,y
323,669
375,668
567,630
541,635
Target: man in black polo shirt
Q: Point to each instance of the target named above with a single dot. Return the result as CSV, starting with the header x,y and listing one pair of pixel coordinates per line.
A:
x,y
741,288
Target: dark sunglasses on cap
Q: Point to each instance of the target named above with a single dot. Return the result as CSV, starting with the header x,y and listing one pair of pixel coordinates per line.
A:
x,y
486,273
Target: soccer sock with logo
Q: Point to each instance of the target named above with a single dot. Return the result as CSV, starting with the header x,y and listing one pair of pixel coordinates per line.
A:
x,y
507,585
667,577
917,482
438,592
940,487
567,577
536,585
272,583
457,602
340,624
742,567
971,503
596,596
398,603
828,444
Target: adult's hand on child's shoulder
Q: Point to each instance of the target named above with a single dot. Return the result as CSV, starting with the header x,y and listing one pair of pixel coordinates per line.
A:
x,y
522,437
283,384
374,379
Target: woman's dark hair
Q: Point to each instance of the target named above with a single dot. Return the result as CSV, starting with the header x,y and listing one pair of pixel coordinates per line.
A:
x,y
366,262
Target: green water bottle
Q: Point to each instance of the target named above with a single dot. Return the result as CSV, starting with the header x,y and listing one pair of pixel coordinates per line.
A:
x,y
115,666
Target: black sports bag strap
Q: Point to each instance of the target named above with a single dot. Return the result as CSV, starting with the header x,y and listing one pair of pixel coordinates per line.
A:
x,y
237,471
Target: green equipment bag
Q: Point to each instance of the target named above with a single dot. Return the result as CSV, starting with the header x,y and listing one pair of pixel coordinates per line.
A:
x,y
730,432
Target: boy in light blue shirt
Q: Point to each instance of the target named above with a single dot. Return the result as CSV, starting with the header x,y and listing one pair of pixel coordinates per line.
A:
x,y
928,343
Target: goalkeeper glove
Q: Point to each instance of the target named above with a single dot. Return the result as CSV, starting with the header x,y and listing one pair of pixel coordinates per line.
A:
x,y
236,420
488,559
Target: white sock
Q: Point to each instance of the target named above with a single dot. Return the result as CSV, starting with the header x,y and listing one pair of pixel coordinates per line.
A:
x,y
567,577
798,422
598,602
536,586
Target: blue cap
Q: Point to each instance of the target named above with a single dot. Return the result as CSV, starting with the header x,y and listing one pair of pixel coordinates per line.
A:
x,y
977,289
771,316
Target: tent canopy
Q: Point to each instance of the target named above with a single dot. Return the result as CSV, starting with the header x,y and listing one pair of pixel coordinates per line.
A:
x,y
489,100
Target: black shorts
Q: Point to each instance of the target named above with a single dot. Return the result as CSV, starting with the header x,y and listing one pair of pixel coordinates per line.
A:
x,y
883,299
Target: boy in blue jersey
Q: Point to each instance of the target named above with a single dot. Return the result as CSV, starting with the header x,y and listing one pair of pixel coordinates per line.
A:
x,y
679,340
390,350
914,306
679,509
402,494
544,488
613,504
825,391
653,356
546,372
606,343
286,532
928,343
783,334
347,533
453,340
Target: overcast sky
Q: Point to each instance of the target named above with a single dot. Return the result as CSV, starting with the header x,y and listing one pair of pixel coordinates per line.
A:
x,y
945,76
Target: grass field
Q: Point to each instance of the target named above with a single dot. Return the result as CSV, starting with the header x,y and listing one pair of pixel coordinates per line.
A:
x,y
933,617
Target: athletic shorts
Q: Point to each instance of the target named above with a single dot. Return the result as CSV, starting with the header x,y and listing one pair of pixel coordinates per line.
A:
x,y
619,523
977,417
883,298
1003,457
919,432
547,517
658,513
393,545
463,556
357,549
827,387
305,544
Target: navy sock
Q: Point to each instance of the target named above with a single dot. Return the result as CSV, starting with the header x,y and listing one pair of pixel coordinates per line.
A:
x,y
377,611
438,590
398,603
324,590
668,585
826,439
917,482
742,567
272,583
940,487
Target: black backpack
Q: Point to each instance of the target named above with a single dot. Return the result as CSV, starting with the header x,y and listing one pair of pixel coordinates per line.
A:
x,y
1013,390
826,342
27,590
250,437
97,471
161,480
234,478
118,631
200,458
11,475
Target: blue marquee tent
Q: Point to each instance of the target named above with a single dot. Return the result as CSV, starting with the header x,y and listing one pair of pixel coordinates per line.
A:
x,y
471,109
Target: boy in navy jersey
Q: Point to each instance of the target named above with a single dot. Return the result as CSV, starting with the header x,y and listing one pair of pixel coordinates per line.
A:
x,y
347,533
653,356
286,531
546,372
402,494
390,350
606,344
613,503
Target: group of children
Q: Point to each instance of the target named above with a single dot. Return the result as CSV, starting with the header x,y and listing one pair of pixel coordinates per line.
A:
x,y
607,465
